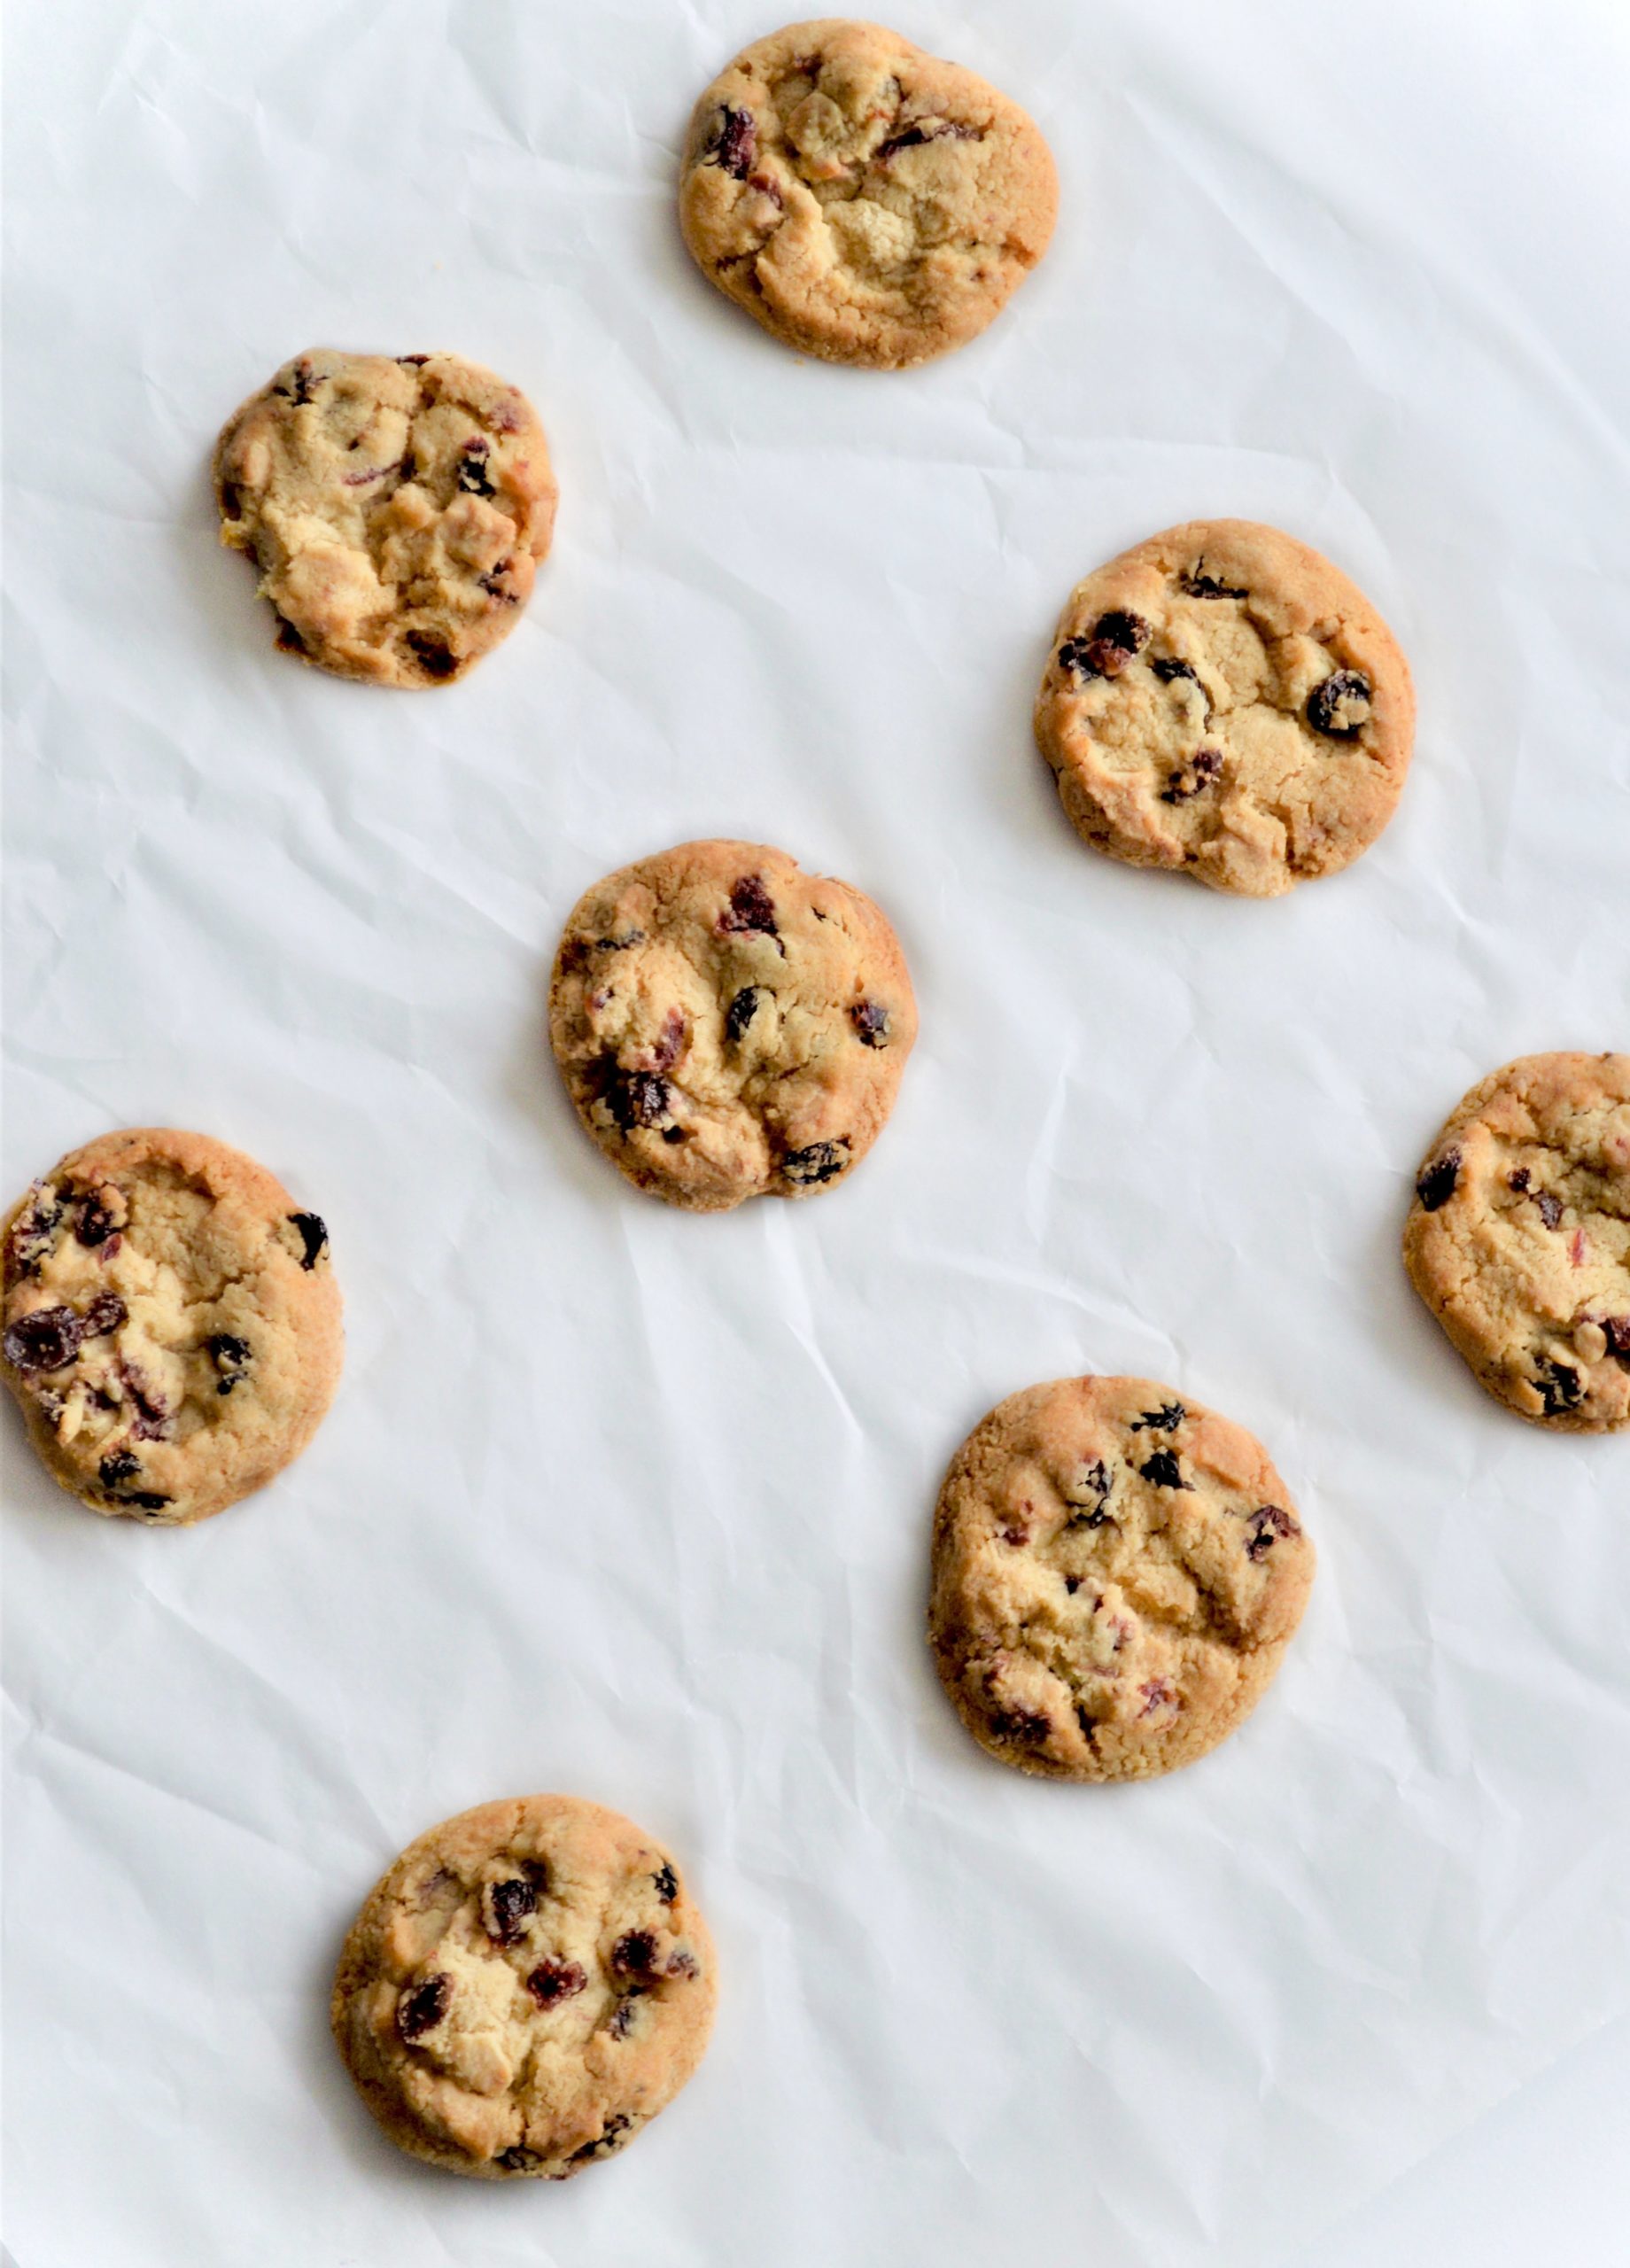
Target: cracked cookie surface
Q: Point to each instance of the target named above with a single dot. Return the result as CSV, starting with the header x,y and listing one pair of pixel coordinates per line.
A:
x,y
1221,701
395,508
172,1324
1116,1574
728,1026
1519,1239
865,202
525,1987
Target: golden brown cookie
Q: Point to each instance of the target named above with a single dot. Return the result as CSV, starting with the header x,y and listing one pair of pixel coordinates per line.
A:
x,y
728,1026
172,1325
862,200
524,1989
1519,1239
1222,701
1116,1576
395,508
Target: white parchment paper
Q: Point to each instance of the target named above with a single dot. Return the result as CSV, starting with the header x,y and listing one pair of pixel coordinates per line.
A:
x,y
621,1502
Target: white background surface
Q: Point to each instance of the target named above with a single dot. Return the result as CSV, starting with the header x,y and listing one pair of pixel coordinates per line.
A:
x,y
622,1501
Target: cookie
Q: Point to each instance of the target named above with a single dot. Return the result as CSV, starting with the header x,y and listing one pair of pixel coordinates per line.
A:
x,y
524,1989
728,1026
395,506
172,1324
1222,701
863,201
1519,1239
1116,1574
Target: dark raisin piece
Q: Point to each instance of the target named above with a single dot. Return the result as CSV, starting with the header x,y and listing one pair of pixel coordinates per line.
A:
x,y
288,638
752,910
495,587
301,385
622,2015
1267,1525
1519,1181
34,1238
870,1021
117,1465
634,1953
314,1238
555,1980
735,142
48,1339
95,1224
1157,1695
1201,769
472,472
740,1013
1095,656
1201,586
1618,1330
1339,708
1072,1584
106,1313
145,1499
422,2009
1550,1207
822,1161
910,137
516,2160
1164,1470
671,1135
612,2135
153,1412
1122,628
667,1882
415,361
230,1357
1561,1387
1436,1184
1090,1492
670,1043
1163,1420
638,1098
1020,1724
1168,671
506,1905
434,656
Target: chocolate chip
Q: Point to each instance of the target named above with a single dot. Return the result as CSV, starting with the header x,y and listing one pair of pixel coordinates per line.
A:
x,y
1436,1184
230,1357
1168,671
1561,1387
667,1882
1020,1724
434,656
106,1313
472,471
612,2135
870,1021
1332,706
117,1465
48,1339
505,1907
95,1224
555,1980
735,142
1201,585
752,910
422,2009
1164,1470
1550,1207
1201,769
1267,1526
314,1238
1166,1419
740,1013
634,1953
822,1161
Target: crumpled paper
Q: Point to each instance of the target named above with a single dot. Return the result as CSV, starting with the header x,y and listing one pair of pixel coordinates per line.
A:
x,y
623,1501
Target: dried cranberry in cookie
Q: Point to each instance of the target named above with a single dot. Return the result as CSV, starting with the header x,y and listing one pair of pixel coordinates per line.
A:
x,y
525,1988
172,1324
1224,703
863,201
1102,1608
396,508
1519,1239
728,1026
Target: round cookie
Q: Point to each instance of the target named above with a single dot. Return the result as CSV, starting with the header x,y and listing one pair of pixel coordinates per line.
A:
x,y
395,506
729,1026
863,201
1116,1574
1221,701
1519,1239
524,1989
172,1324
